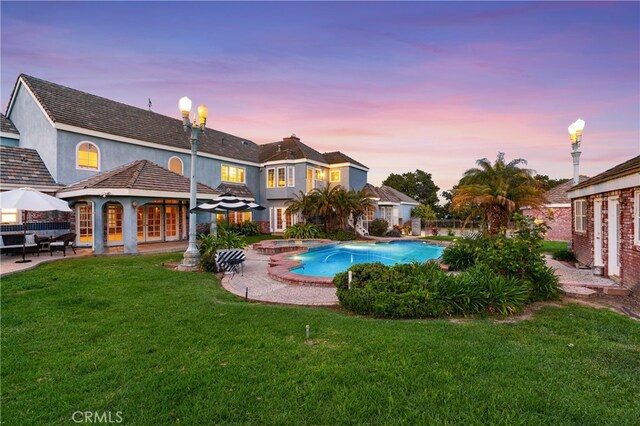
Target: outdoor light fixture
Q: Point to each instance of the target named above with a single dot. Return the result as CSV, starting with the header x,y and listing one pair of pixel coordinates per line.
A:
x,y
192,255
575,133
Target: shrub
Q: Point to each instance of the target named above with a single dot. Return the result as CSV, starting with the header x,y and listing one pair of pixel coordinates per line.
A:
x,y
210,244
306,230
394,233
378,227
341,235
248,228
461,254
450,232
564,255
424,290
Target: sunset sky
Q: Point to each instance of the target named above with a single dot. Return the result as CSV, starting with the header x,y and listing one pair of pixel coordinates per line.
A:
x,y
397,86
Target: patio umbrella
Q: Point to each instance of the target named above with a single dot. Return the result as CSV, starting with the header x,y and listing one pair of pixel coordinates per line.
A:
x,y
29,199
228,202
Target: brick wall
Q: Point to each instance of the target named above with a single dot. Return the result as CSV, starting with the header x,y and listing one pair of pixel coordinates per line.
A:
x,y
582,243
558,218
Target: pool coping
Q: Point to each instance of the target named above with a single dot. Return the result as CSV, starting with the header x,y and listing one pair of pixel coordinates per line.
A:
x,y
271,247
280,266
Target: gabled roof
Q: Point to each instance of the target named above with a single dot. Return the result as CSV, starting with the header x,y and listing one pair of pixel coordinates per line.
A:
x,y
21,167
289,149
338,157
140,175
558,194
629,167
6,126
386,194
237,189
75,108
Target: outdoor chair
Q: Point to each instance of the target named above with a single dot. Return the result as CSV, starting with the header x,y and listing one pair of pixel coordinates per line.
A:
x,y
62,242
230,261
473,235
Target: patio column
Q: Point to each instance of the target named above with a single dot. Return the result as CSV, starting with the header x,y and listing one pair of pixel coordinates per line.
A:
x,y
98,225
130,226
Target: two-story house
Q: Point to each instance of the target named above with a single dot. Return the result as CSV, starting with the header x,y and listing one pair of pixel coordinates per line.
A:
x,y
124,169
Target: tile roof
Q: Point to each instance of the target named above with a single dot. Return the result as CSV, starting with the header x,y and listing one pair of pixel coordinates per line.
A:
x,y
289,148
143,175
23,167
386,194
337,157
6,126
87,111
239,190
558,194
627,168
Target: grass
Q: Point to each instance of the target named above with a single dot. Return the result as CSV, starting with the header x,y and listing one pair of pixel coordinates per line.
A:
x,y
126,334
257,238
439,238
552,246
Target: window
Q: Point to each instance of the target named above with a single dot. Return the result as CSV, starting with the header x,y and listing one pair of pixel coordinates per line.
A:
x,y
271,178
114,223
232,174
291,176
309,180
334,176
369,214
234,217
313,177
85,223
175,165
636,217
282,178
10,216
87,156
580,215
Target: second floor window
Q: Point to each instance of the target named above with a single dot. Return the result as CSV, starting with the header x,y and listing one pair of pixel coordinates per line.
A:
x,y
175,165
232,174
282,177
271,178
87,156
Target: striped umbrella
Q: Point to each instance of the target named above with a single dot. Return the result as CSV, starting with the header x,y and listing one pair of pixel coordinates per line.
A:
x,y
228,202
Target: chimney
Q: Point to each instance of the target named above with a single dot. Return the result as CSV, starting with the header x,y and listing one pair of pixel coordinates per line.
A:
x,y
292,138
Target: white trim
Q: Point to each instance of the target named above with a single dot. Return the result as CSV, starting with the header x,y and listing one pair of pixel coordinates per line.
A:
x,y
622,182
41,188
284,185
556,206
79,167
181,164
8,135
274,178
128,192
291,176
636,217
355,166
410,203
15,93
583,229
81,131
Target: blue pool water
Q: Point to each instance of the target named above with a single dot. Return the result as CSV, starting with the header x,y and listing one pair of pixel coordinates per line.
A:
x,y
326,261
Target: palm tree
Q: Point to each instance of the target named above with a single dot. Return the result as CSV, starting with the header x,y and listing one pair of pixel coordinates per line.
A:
x,y
343,205
325,197
305,204
497,190
360,202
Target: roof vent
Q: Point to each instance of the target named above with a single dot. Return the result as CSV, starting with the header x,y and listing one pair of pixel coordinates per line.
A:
x,y
279,149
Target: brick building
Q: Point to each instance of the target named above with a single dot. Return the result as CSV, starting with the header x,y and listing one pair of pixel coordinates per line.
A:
x,y
556,212
606,223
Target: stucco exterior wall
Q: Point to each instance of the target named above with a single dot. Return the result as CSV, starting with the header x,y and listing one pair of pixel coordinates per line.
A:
x,y
357,179
36,131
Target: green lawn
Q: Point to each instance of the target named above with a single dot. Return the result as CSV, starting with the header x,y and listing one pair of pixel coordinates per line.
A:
x,y
257,238
551,246
160,346
440,238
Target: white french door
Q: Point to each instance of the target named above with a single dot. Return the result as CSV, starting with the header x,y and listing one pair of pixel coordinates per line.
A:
x,y
597,233
149,223
280,220
171,223
613,237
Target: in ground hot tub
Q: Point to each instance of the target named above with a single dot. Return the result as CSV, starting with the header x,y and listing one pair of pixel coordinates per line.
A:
x,y
270,247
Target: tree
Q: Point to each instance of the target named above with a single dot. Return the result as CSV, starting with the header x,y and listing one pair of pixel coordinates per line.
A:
x,y
497,190
424,212
548,183
303,203
417,185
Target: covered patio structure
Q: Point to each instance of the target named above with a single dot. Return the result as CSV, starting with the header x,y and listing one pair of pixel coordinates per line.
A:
x,y
135,203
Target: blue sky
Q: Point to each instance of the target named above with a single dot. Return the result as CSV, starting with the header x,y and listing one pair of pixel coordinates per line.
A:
x,y
398,86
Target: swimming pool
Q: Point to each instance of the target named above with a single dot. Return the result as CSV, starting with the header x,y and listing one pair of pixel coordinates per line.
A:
x,y
327,261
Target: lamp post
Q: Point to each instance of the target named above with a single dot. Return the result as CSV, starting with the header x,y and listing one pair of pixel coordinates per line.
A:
x,y
575,132
192,255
